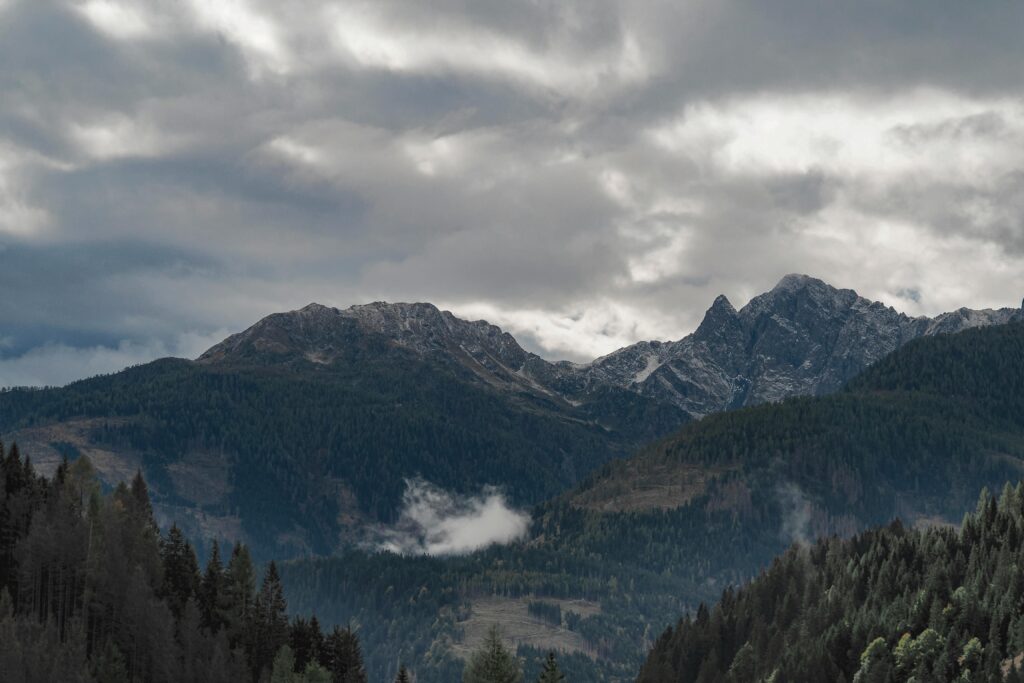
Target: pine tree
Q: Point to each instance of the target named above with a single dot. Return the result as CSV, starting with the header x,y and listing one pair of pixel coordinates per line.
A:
x,y
240,594
270,621
181,571
283,670
343,657
551,673
314,673
143,505
306,641
213,594
109,667
492,663
403,675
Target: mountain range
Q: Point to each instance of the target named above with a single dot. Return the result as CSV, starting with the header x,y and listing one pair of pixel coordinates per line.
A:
x,y
804,337
299,431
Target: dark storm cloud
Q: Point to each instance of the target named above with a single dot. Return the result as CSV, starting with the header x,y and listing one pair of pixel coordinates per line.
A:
x,y
584,173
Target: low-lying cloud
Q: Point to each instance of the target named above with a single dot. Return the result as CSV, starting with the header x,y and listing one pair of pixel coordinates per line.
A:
x,y
436,522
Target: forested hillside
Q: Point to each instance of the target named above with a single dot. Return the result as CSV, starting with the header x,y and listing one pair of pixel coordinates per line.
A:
x,y
917,437
91,591
891,604
293,458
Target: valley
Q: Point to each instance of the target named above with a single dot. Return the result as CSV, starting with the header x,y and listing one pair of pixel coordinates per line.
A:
x,y
328,413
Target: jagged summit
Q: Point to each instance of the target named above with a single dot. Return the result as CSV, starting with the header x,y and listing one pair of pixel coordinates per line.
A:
x,y
721,314
325,335
798,281
802,337
721,306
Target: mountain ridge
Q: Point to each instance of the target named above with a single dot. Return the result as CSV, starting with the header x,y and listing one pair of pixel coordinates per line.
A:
x,y
798,338
802,337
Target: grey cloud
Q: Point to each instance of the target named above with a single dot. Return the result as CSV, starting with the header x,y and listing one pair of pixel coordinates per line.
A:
x,y
189,179
987,124
59,364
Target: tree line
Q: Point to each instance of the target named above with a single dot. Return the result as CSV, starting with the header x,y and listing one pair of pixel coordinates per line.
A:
x,y
91,591
886,606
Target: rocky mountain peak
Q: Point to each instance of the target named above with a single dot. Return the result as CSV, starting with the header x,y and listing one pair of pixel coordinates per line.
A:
x,y
721,315
316,309
425,328
797,281
801,337
325,336
801,292
722,305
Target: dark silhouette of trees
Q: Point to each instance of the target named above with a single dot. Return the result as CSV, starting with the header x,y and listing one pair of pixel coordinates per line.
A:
x,y
90,592
551,673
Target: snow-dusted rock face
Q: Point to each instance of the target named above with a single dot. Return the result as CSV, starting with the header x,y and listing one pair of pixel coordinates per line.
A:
x,y
803,337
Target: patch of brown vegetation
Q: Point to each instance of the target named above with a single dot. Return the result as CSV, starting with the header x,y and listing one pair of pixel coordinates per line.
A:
x,y
519,627
647,484
199,477
112,466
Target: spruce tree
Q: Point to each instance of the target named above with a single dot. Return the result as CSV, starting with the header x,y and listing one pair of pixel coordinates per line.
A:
x,y
306,641
270,621
492,663
283,670
181,571
551,673
213,597
109,666
143,505
240,594
314,673
343,657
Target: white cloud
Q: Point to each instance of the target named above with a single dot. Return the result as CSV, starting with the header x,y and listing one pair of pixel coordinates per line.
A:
x,y
912,132
583,332
435,522
116,135
257,35
121,20
373,39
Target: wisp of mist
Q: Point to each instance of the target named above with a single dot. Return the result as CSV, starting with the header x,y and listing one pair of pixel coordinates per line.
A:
x,y
436,522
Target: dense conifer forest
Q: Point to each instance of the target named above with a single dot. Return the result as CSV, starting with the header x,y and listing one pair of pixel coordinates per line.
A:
x,y
891,604
91,591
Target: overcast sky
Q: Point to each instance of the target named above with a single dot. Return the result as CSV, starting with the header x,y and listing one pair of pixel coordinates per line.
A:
x,y
584,174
